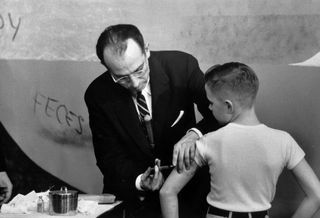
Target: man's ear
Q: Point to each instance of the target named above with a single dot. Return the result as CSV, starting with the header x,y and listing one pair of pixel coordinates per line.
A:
x,y
147,51
230,106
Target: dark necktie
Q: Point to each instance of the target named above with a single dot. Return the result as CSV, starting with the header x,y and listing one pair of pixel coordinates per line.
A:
x,y
142,106
146,123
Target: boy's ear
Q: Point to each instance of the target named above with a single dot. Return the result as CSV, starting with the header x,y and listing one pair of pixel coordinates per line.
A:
x,y
230,106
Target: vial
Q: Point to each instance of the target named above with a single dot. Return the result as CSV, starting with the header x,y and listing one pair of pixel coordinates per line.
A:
x,y
40,205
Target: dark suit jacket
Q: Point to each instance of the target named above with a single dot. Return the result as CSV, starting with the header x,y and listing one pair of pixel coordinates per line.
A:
x,y
121,148
2,162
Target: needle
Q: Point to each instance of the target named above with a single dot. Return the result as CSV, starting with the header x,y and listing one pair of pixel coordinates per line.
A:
x,y
164,167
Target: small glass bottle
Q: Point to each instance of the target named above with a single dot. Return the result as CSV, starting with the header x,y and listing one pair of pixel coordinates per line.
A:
x,y
40,205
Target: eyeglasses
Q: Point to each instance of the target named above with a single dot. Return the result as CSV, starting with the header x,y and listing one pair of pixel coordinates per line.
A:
x,y
140,72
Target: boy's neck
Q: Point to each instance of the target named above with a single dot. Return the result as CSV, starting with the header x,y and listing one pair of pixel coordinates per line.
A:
x,y
246,117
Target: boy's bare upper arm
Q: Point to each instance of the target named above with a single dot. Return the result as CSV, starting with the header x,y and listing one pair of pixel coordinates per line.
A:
x,y
176,181
307,179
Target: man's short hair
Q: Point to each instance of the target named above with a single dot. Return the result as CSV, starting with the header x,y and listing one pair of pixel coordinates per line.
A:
x,y
117,36
236,78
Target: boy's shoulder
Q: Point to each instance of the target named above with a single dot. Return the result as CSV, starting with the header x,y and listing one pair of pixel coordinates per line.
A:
x,y
231,128
275,131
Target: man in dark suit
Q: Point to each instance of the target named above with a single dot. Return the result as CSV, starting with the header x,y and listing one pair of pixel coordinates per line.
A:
x,y
5,183
171,82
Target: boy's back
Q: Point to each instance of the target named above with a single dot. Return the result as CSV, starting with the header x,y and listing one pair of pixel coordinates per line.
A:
x,y
245,157
245,163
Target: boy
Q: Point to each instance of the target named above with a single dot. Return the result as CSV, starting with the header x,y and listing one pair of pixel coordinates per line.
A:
x,y
245,157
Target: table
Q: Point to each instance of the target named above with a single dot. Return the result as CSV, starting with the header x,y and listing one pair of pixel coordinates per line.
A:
x,y
103,211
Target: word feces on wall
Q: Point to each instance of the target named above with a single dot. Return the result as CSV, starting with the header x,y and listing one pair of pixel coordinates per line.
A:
x,y
54,109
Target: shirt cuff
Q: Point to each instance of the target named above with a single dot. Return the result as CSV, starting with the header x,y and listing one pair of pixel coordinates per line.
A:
x,y
138,182
196,131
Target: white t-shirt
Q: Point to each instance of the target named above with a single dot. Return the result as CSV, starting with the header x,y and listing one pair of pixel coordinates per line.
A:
x,y
245,163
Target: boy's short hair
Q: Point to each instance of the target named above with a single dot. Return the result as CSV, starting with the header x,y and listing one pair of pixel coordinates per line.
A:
x,y
235,78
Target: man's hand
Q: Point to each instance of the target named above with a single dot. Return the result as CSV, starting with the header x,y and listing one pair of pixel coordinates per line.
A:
x,y
5,187
152,180
184,151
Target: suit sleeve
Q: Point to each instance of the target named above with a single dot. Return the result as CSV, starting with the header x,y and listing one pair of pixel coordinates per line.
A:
x,y
196,86
114,162
2,163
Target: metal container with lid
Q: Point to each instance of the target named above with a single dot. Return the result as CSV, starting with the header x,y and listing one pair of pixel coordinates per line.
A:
x,y
63,202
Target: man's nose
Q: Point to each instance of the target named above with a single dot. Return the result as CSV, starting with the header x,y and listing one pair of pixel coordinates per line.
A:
x,y
134,81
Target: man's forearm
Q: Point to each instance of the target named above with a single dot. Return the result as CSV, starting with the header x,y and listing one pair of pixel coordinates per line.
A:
x,y
119,176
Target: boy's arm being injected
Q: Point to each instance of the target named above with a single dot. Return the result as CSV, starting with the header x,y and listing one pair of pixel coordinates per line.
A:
x,y
170,189
310,184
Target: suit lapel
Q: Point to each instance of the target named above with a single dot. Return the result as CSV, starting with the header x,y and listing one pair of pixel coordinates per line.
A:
x,y
127,114
161,95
